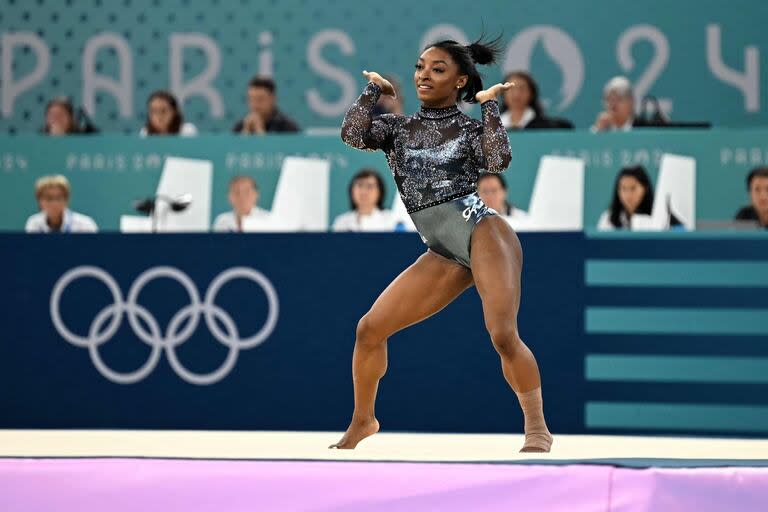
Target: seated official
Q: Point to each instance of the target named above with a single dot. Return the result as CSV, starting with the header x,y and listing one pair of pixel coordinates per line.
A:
x,y
52,194
243,196
164,117
263,115
521,108
632,194
492,189
60,118
757,185
619,107
366,200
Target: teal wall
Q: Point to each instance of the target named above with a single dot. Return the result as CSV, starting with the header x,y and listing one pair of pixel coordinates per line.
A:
x,y
109,172
316,52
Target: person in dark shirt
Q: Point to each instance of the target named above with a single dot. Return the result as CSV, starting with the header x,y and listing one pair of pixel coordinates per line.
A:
x,y
521,108
264,116
618,114
757,186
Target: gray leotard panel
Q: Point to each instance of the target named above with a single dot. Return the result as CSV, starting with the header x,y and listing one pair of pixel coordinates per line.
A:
x,y
447,228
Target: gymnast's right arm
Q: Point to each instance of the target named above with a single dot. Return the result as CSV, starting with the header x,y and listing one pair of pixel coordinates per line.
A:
x,y
359,129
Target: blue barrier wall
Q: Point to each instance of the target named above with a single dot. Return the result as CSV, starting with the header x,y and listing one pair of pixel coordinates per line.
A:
x,y
624,343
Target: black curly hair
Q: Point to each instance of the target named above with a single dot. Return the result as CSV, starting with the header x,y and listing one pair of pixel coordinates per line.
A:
x,y
479,52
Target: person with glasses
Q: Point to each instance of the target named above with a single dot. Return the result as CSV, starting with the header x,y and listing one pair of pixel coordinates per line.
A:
x,y
164,117
619,107
366,205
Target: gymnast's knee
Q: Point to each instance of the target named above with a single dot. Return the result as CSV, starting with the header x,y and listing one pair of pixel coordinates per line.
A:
x,y
368,332
506,340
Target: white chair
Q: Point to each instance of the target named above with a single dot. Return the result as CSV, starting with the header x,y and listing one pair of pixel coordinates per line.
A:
x,y
675,191
181,176
400,213
301,198
557,201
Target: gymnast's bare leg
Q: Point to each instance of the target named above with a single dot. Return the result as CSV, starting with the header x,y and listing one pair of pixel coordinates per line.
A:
x,y
422,290
497,261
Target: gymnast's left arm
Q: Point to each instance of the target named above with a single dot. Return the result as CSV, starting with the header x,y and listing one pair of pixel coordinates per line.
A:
x,y
494,143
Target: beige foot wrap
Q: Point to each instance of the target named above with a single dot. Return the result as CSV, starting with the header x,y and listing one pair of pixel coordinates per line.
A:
x,y
537,436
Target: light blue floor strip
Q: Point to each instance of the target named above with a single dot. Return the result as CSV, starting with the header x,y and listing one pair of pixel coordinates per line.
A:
x,y
655,368
636,415
634,320
748,274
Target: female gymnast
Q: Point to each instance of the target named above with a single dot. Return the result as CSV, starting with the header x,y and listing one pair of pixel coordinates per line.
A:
x,y
436,156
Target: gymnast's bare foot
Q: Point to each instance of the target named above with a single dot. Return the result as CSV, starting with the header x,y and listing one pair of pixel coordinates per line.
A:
x,y
357,431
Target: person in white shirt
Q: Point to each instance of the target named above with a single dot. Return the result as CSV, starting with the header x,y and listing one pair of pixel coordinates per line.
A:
x,y
521,108
492,189
243,196
520,102
619,104
632,194
52,194
366,199
164,117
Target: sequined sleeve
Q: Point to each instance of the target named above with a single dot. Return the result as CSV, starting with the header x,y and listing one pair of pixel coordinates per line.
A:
x,y
492,149
359,129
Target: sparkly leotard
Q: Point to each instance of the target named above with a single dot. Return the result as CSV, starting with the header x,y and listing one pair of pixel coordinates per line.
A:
x,y
436,156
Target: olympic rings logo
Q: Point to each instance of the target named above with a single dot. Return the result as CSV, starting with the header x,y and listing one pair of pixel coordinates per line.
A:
x,y
106,323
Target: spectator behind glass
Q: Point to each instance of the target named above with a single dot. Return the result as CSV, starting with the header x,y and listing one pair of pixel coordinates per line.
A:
x,y
165,118
60,117
366,202
52,194
521,108
264,116
757,185
619,104
387,104
493,191
632,193
243,196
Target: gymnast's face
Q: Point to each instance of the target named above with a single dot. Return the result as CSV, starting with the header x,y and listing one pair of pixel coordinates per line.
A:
x,y
437,78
